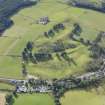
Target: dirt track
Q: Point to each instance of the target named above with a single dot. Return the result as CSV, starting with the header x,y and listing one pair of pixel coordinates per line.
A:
x,y
2,99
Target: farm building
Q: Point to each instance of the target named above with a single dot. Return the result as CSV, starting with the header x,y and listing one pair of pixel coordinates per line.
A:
x,y
43,20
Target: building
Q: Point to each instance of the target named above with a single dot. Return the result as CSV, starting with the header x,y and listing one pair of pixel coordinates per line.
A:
x,y
43,20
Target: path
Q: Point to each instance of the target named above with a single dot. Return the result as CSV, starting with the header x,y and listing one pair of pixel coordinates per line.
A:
x,y
2,99
32,76
10,47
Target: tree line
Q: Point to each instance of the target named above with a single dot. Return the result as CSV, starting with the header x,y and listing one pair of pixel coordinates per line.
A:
x,y
56,28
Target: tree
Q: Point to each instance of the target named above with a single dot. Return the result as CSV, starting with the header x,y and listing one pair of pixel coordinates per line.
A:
x,y
34,60
9,99
94,65
103,5
25,57
25,50
59,46
7,22
50,33
29,45
96,51
77,29
61,26
58,56
30,56
24,70
55,28
88,42
81,40
66,57
98,38
43,57
46,34
15,94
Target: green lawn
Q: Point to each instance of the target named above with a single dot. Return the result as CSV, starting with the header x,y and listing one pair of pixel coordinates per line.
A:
x,y
34,99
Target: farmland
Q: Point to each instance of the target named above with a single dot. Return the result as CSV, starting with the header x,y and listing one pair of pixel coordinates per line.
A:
x,y
25,29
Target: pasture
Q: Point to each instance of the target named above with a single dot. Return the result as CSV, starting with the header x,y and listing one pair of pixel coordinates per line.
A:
x,y
82,97
34,99
25,29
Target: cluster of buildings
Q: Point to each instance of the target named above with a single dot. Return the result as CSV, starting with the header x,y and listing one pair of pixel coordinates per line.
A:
x,y
23,86
40,89
43,20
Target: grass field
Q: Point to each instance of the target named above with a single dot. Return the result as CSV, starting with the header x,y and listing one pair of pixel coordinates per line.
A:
x,y
6,86
25,29
84,98
34,99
